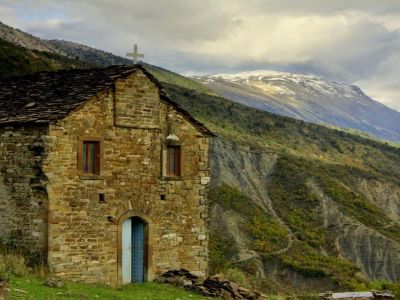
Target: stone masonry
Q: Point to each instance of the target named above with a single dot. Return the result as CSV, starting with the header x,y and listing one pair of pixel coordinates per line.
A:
x,y
23,196
48,201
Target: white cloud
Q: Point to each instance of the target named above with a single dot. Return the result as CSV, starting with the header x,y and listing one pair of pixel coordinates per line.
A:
x,y
383,84
355,40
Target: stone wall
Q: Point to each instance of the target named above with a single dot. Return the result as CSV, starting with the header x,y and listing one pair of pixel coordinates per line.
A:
x,y
137,102
23,197
84,234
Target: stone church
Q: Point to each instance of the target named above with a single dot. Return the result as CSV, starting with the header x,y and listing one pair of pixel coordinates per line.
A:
x,y
104,174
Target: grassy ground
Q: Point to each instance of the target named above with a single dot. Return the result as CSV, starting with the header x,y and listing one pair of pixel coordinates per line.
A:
x,y
33,288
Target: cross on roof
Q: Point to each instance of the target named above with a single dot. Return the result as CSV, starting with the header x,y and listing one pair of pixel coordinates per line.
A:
x,y
135,54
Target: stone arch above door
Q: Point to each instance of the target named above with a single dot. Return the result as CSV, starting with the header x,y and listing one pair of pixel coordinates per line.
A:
x,y
149,273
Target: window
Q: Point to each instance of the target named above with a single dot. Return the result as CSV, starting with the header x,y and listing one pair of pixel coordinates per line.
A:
x,y
91,158
102,198
173,161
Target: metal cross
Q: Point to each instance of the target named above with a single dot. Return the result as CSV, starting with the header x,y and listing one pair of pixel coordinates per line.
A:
x,y
135,54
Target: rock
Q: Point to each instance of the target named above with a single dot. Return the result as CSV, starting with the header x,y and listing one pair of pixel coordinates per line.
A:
x,y
383,295
235,289
54,282
226,295
214,286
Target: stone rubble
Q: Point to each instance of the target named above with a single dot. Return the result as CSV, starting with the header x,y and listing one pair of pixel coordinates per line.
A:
x,y
54,282
214,286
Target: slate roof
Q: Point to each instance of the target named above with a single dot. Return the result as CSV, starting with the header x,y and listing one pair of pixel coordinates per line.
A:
x,y
46,97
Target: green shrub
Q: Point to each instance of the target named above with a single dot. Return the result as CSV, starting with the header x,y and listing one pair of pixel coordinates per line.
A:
x,y
17,260
237,276
221,253
12,265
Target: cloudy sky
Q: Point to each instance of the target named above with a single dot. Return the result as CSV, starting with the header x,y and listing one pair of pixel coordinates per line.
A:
x,y
355,41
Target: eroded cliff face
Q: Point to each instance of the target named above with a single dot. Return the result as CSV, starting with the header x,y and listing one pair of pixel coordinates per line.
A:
x,y
243,168
376,255
384,194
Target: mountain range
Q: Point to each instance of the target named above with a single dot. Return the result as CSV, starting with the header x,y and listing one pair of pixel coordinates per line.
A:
x,y
294,206
309,98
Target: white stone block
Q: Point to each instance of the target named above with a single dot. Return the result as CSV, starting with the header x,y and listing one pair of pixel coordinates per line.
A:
x,y
201,237
205,180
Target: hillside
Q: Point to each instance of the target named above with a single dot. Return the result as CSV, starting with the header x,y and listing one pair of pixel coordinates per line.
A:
x,y
88,54
26,40
309,98
295,204
16,60
67,49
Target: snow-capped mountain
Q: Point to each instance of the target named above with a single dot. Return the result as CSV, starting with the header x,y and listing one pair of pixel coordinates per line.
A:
x,y
308,97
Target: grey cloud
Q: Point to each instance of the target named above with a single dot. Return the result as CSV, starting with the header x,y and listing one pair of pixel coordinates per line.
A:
x,y
295,7
174,20
357,41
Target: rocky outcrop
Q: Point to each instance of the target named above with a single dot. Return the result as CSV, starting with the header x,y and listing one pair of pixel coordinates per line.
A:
x,y
384,194
248,171
377,255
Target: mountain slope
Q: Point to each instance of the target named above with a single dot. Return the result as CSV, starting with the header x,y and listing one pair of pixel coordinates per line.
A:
x,y
309,98
16,60
68,49
296,204
88,54
26,40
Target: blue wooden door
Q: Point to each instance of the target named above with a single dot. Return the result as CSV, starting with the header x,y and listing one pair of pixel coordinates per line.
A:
x,y
138,244
127,251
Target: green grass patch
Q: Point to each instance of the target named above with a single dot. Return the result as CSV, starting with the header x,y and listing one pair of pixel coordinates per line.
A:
x,y
311,263
221,252
169,77
34,289
295,202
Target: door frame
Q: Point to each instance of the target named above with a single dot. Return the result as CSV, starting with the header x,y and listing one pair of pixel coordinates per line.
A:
x,y
148,246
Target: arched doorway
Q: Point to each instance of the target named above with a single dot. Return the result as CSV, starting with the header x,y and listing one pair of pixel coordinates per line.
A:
x,y
134,248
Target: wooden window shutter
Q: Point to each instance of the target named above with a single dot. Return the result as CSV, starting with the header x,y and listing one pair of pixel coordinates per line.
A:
x,y
91,157
173,161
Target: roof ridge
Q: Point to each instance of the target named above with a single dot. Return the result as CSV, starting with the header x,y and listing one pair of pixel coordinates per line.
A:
x,y
57,94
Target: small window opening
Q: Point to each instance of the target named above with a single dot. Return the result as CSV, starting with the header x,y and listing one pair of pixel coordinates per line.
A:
x,y
173,161
91,158
102,198
162,197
